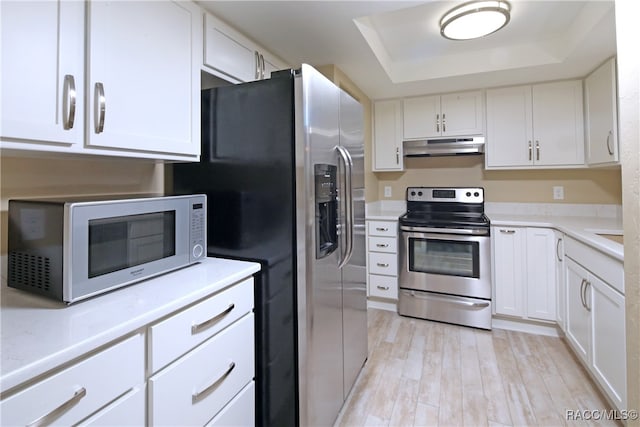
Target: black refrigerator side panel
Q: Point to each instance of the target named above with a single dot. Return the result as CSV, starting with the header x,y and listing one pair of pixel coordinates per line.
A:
x,y
247,172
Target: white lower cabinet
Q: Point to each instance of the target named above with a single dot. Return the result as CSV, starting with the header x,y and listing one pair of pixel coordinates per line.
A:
x,y
382,259
200,365
609,340
524,272
595,318
561,285
90,391
240,411
178,334
197,386
578,317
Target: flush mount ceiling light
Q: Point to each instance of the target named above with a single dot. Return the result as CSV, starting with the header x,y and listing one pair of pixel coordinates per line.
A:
x,y
475,19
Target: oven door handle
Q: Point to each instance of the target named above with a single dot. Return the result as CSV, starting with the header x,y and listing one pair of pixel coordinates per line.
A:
x,y
451,300
472,232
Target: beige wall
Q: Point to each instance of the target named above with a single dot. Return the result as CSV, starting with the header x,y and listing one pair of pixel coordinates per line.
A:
x,y
598,186
627,35
22,177
342,80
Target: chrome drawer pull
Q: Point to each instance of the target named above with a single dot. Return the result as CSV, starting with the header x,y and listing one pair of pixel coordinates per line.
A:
x,y
380,264
204,325
382,245
199,395
382,229
383,288
507,231
56,413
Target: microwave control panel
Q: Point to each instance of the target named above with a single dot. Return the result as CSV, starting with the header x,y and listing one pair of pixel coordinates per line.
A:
x,y
198,220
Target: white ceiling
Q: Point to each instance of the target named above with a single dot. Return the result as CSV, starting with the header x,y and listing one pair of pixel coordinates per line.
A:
x,y
394,48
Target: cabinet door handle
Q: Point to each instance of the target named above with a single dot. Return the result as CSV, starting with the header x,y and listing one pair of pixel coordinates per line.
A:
x,y
530,151
502,230
444,123
609,149
68,102
262,67
538,150
582,289
382,229
558,249
382,245
53,415
204,325
382,288
256,58
397,156
199,395
586,301
381,264
437,122
99,107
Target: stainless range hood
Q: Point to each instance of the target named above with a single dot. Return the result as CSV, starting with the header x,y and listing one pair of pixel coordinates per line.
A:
x,y
444,147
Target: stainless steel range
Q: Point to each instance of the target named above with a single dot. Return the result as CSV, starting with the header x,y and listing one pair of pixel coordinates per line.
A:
x,y
445,268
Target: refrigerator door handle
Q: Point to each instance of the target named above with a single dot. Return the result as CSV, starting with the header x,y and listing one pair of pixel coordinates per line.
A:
x,y
348,203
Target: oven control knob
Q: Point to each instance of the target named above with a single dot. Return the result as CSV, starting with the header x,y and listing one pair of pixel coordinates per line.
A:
x,y
413,193
476,194
419,193
468,194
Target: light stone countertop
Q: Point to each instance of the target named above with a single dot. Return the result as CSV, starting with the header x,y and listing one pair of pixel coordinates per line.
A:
x,y
582,228
388,210
39,334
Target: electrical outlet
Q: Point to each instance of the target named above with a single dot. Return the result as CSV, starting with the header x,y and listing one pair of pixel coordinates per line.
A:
x,y
558,193
387,191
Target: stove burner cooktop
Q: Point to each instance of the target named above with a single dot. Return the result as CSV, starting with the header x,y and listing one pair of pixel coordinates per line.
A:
x,y
446,208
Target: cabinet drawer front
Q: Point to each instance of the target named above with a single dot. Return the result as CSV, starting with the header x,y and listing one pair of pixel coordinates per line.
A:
x,y
383,228
241,411
176,335
213,373
383,244
386,264
608,269
103,376
128,410
383,286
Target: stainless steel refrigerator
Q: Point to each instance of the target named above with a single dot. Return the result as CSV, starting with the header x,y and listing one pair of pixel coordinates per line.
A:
x,y
283,168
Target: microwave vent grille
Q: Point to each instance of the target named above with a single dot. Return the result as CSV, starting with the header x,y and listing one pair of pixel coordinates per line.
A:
x,y
29,271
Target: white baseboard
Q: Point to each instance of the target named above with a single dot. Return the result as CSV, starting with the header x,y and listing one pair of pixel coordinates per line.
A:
x,y
387,305
539,328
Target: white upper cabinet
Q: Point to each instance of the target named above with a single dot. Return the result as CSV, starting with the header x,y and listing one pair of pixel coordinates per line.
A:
x,y
457,114
540,125
42,76
143,76
229,52
107,77
387,136
600,91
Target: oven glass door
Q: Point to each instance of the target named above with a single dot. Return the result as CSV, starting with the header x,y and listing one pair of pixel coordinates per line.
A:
x,y
445,257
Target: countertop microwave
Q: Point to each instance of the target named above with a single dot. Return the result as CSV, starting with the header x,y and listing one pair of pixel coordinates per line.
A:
x,y
72,249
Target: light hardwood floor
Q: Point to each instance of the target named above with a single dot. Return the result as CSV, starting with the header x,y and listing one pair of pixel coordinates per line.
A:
x,y
422,373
